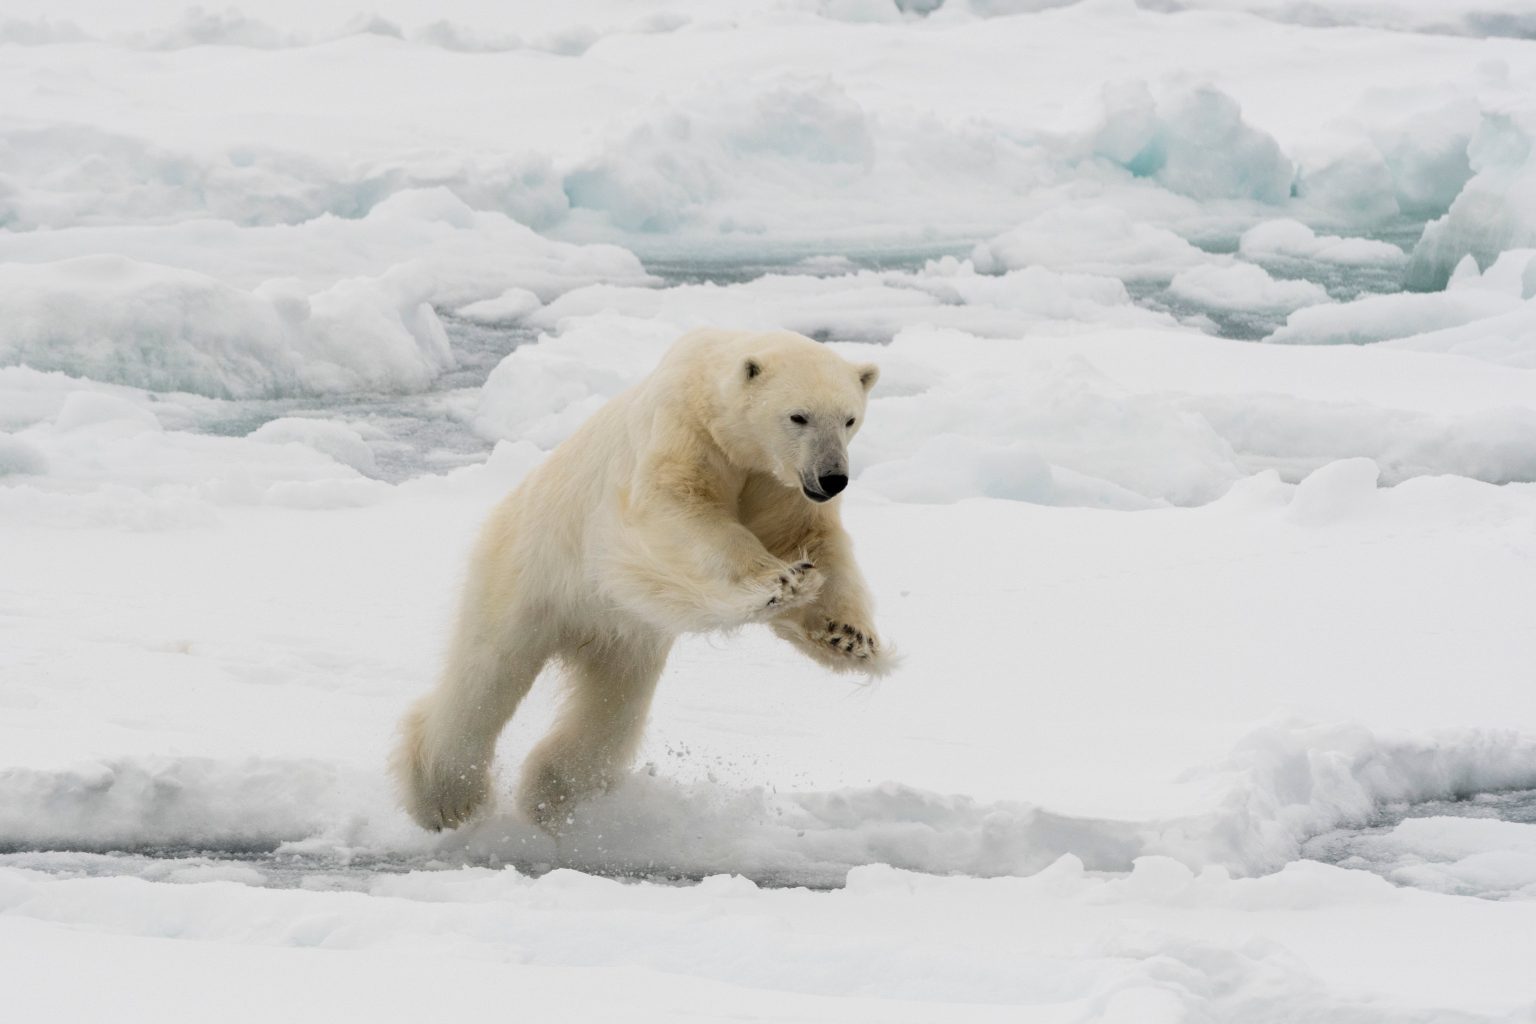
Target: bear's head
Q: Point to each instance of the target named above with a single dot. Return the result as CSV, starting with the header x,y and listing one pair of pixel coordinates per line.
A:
x,y
796,405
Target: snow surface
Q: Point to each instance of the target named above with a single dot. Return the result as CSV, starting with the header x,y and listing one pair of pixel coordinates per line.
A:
x,y
1198,491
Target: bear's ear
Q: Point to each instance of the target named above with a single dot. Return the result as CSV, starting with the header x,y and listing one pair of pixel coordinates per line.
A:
x,y
868,374
753,368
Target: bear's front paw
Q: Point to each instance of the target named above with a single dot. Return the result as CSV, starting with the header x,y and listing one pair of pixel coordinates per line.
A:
x,y
857,643
793,586
440,797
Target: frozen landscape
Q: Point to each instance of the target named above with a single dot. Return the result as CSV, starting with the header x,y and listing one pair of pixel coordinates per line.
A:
x,y
1198,494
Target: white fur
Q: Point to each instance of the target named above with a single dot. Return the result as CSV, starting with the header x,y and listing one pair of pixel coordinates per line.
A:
x,y
677,508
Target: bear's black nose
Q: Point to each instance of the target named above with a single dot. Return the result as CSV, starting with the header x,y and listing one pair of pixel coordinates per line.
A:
x,y
832,485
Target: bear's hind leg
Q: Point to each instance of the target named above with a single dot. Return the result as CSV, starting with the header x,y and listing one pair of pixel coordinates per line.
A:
x,y
449,738
599,727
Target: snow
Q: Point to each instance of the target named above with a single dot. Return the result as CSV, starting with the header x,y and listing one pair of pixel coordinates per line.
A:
x,y
1290,238
1090,239
328,306
165,329
1384,317
1196,144
18,455
509,307
1461,856
1198,493
337,440
1243,286
1172,945
1495,211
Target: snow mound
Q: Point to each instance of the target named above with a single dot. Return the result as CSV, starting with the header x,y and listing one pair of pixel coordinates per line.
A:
x,y
1290,784
665,171
110,460
426,245
1195,143
1243,287
114,319
1507,333
1120,449
1091,239
544,391
92,409
1297,437
1382,317
1294,240
509,307
337,440
1487,315
167,803
1495,211
1339,490
323,307
655,827
950,467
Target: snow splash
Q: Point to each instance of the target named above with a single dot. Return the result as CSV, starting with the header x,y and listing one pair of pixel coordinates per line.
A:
x,y
1283,794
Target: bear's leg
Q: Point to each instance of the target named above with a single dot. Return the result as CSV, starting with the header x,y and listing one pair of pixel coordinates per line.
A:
x,y
444,759
709,575
837,628
599,728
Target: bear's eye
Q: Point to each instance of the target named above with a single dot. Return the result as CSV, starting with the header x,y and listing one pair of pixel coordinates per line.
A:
x,y
849,423
799,418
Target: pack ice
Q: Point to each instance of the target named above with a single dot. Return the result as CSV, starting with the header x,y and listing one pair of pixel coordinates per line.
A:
x,y
1198,492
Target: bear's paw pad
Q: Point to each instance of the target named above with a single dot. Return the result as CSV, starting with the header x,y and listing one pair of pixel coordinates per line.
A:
x,y
847,639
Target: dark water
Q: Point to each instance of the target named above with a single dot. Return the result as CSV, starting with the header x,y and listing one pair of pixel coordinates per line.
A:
x,y
1343,283
1512,805
675,270
410,434
273,867
1359,847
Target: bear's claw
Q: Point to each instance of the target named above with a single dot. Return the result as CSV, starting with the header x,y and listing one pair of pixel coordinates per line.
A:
x,y
448,798
795,586
848,639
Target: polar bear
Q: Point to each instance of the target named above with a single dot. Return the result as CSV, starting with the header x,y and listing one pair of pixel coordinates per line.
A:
x,y
703,498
